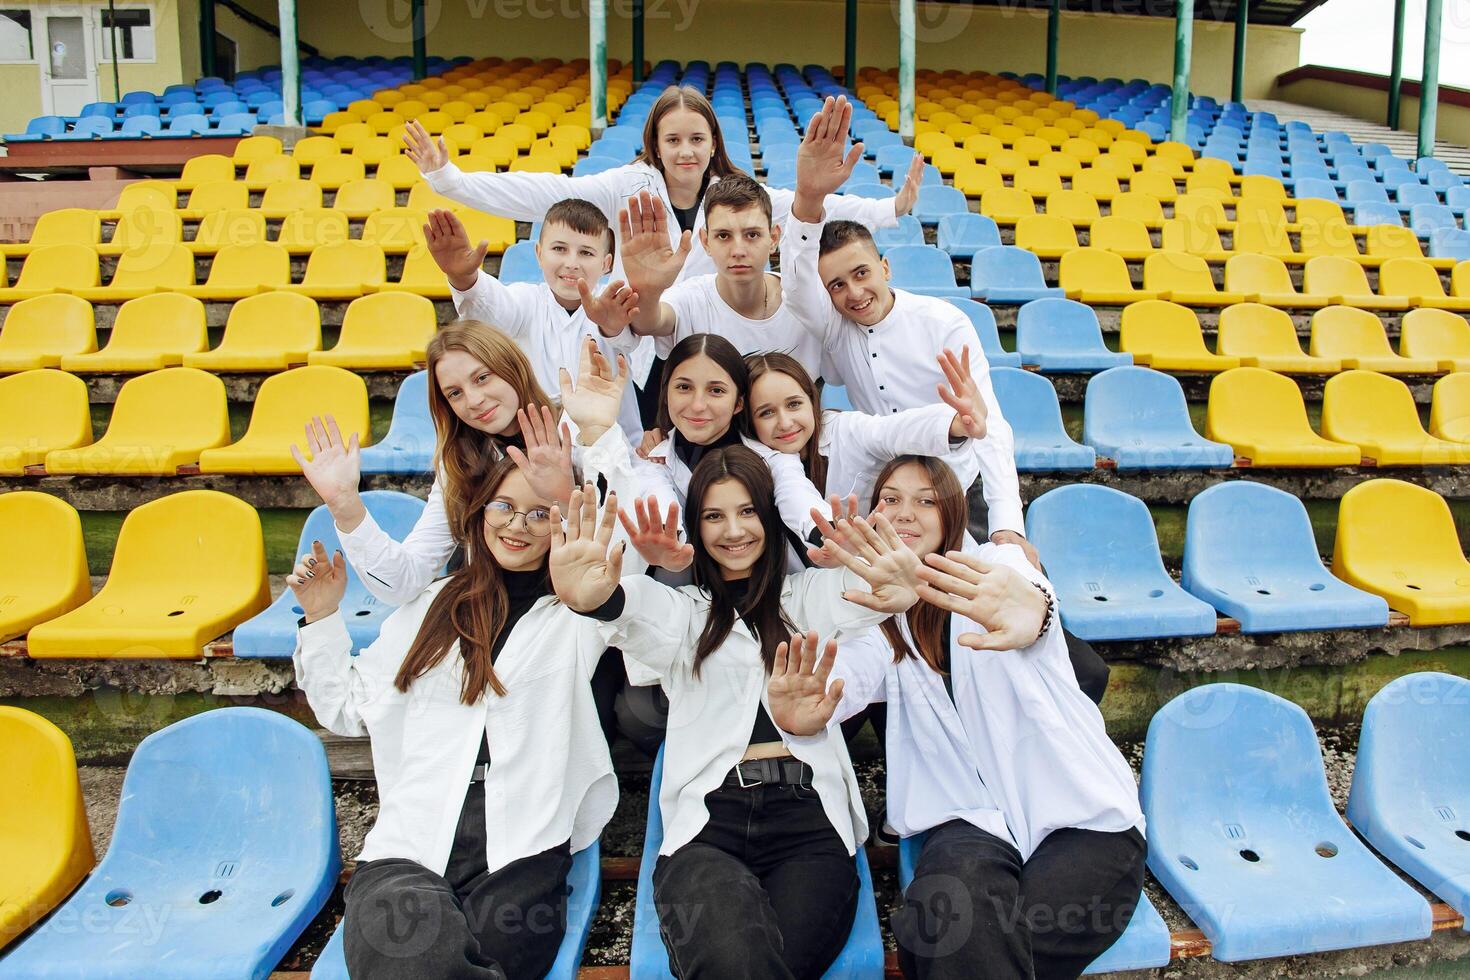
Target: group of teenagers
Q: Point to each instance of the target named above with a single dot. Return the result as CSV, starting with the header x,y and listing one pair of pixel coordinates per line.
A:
x,y
643,523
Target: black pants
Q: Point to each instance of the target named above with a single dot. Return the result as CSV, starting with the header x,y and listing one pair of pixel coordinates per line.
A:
x,y
404,921
975,910
767,890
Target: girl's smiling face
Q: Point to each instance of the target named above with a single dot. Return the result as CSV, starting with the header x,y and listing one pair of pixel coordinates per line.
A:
x,y
478,396
702,400
685,145
730,528
515,547
781,413
911,506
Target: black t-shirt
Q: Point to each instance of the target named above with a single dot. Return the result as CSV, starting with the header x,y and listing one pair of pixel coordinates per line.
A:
x,y
764,730
687,216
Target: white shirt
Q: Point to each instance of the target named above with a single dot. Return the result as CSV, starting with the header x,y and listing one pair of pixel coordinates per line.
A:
x,y
858,445
550,336
551,779
711,716
893,365
699,308
1019,752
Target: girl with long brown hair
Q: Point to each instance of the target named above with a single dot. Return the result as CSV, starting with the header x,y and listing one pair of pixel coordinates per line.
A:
x,y
995,754
473,831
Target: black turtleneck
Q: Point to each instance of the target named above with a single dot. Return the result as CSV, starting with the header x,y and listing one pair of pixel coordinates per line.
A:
x,y
764,730
691,452
522,589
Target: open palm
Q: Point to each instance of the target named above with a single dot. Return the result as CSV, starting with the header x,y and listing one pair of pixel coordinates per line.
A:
x,y
583,574
800,700
335,467
650,262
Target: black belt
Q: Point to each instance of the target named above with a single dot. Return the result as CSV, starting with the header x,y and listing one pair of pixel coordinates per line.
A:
x,y
784,771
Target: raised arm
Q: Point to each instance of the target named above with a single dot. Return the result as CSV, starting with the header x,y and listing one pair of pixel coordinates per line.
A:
x,y
808,693
326,670
477,295
651,264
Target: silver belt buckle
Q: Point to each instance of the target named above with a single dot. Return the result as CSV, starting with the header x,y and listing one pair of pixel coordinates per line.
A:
x,y
740,777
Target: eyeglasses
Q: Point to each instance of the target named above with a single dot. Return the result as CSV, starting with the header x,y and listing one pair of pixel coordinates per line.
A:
x,y
500,514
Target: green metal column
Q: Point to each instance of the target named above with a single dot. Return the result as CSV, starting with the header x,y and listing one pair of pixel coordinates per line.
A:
x,y
1183,48
1396,76
206,38
290,63
906,70
420,41
849,49
597,54
1429,94
637,40
1053,34
1237,76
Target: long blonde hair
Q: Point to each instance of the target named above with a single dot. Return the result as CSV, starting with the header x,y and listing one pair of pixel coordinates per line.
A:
x,y
463,455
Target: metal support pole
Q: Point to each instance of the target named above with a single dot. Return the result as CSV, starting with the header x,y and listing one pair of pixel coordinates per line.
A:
x,y
906,70
116,80
1429,88
1053,34
597,55
420,41
206,38
290,64
1396,75
849,49
637,41
1237,77
1183,48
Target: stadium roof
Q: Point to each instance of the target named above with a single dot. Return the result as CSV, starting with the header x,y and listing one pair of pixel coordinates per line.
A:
x,y
1280,13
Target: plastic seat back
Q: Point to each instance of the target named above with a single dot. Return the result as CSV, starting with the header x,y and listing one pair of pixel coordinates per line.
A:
x,y
409,445
161,421
1063,335
1140,419
250,265
310,228
1029,403
39,330
983,320
1424,333
67,226
923,269
48,577
40,411
283,405
59,267
382,331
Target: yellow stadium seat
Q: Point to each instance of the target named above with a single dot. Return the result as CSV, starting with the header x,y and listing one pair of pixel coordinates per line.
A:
x,y
40,330
266,171
1079,207
307,229
1101,185
1166,337
1262,415
523,136
1357,338
284,405
144,195
314,149
1033,148
1133,136
150,332
1055,136
285,196
63,226
1083,150
1184,279
1178,152
41,411
359,198
1195,238
1255,237
1099,137
1323,235
353,135
462,135
536,165
144,229
1265,337
1395,242
334,171
244,270
187,568
205,168
1136,155
1425,334
1096,276
269,332
344,270
421,197
382,121
43,819
161,421
1209,185
1377,413
1449,417
145,270
395,230
252,148
55,268
948,159
436,122
1007,133
1008,162
1265,210
1398,540
1048,236
1346,284
977,179
385,332
1140,207
1419,281
1264,279
242,226
398,171
1121,236
498,232
497,151
1261,187
411,108
46,577
1006,205
1201,210
1460,280
574,134
421,275
537,122
1160,187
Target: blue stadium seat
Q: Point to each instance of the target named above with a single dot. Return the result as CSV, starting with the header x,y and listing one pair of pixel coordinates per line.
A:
x,y
894,159
187,125
1369,213
1366,191
585,882
934,203
1243,833
1139,418
984,323
224,850
1449,243
908,231
1029,403
1410,793
1426,219
1314,187
519,264
409,445
1249,551
962,235
272,633
594,165
924,269
1007,274
862,173
835,396
876,191
1058,335
86,128
1102,554
1144,945
860,959
39,128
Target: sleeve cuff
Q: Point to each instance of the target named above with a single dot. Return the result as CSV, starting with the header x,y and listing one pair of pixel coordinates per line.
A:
x,y
365,534
804,234
443,177
461,297
1007,517
323,632
611,609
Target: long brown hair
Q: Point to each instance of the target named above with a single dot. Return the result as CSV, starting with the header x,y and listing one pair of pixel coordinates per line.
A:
x,y
472,606
686,97
926,621
783,363
464,456
716,348
761,607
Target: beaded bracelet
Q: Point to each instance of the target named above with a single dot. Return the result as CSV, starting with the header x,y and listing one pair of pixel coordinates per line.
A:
x,y
1051,607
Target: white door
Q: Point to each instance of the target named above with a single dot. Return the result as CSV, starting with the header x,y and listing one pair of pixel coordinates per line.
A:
x,y
68,68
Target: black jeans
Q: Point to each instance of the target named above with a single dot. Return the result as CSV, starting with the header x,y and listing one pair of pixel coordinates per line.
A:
x,y
975,910
767,889
404,921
